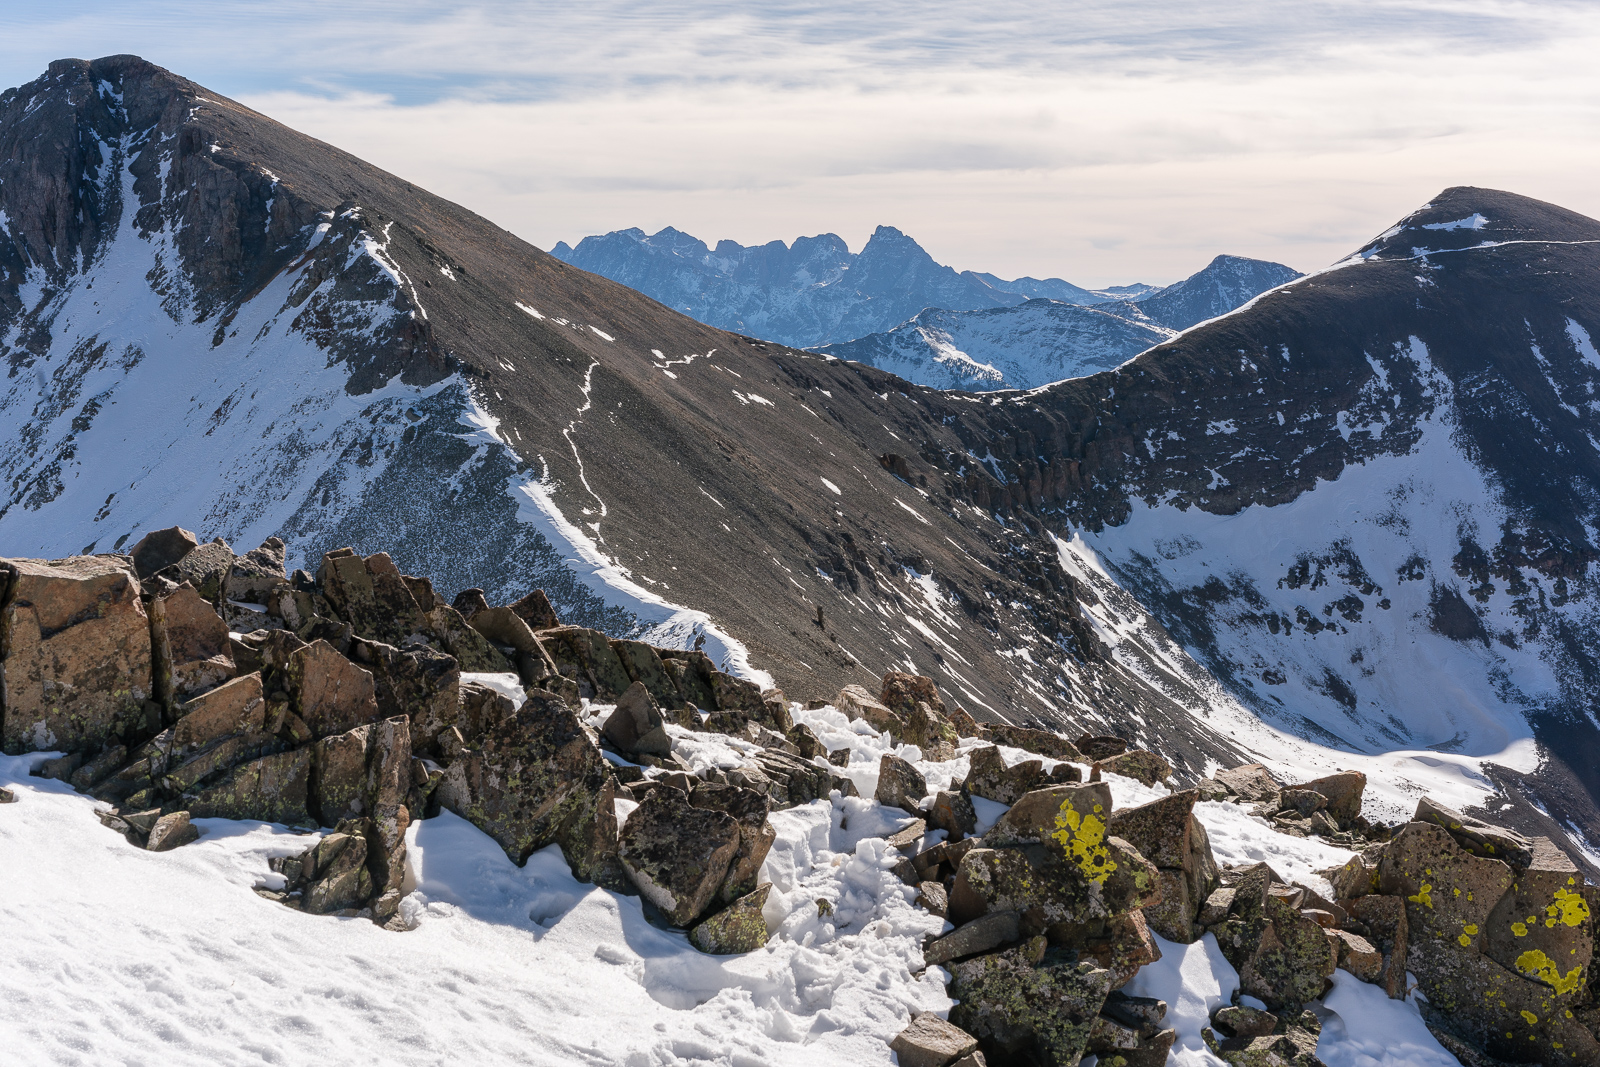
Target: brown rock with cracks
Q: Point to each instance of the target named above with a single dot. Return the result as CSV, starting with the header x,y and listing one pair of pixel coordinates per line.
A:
x,y
160,549
644,665
1385,919
1147,768
75,662
1101,747
990,778
273,789
952,812
749,808
1251,781
534,663
535,610
586,657
473,651
983,934
1475,835
857,703
371,596
171,831
1041,742
1282,957
1344,792
1358,956
331,694
1032,1001
635,728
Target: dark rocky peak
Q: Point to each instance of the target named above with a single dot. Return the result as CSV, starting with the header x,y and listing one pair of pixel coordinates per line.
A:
x,y
1226,283
1464,217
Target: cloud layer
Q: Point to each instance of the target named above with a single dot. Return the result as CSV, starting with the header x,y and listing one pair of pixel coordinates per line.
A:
x,y
1101,142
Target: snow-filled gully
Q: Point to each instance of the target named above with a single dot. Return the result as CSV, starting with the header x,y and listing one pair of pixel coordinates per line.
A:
x,y
117,955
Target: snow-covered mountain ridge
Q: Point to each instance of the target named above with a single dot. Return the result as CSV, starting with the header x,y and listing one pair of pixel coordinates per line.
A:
x,y
817,292
380,368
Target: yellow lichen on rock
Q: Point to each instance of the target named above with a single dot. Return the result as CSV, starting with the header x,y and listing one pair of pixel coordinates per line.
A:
x,y
1569,908
1083,837
1535,964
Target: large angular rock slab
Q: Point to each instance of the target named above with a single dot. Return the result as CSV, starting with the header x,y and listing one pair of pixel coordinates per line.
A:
x,y
691,672
1031,1002
645,666
1054,892
420,683
931,1042
1446,889
1543,928
1041,742
677,854
1344,791
857,703
1250,781
635,728
506,629
1282,957
236,707
900,784
537,779
160,549
257,576
190,648
990,778
473,651
75,661
536,610
1475,835
331,694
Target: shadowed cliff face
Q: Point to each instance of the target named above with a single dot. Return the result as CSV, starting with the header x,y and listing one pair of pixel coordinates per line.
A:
x,y
207,318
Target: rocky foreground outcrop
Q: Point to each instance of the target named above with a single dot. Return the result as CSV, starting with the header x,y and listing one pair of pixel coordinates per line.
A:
x,y
184,682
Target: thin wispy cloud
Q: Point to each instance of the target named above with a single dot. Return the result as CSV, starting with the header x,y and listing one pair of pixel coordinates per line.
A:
x,y
1096,141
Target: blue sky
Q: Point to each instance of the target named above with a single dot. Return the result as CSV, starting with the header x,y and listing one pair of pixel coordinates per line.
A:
x,y
1101,142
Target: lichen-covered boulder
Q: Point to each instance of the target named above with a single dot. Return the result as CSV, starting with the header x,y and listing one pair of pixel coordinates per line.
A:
x,y
236,707
983,934
257,576
1450,893
1031,1001
1122,946
331,694
1543,928
901,692
1041,742
677,855
690,671
420,683
749,808
75,663
1167,834
1475,835
1250,1037
900,784
473,651
537,779
586,657
1282,957
989,777
793,781
740,927
1073,816
189,645
1056,892
273,789
371,596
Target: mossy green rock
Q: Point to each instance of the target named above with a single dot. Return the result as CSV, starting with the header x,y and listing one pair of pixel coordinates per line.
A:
x,y
739,927
1030,1001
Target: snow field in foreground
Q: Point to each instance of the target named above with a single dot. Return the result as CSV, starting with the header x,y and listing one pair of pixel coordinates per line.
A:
x,y
120,956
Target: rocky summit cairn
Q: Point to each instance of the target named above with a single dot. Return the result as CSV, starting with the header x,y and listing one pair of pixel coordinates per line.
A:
x,y
183,682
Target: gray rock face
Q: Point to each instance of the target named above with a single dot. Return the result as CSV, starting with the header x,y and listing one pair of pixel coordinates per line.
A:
x,y
677,854
170,832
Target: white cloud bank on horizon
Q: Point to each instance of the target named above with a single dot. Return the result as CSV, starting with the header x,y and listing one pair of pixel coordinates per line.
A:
x,y
1100,142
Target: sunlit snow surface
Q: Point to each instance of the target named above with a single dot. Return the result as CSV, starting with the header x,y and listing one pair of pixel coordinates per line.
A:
x,y
122,956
